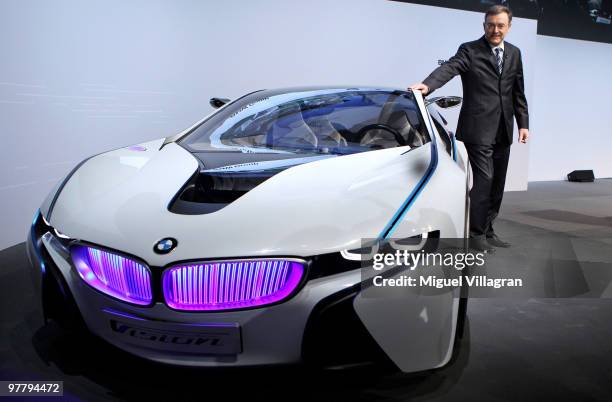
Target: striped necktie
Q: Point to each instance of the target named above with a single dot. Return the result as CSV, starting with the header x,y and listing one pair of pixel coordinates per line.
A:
x,y
500,61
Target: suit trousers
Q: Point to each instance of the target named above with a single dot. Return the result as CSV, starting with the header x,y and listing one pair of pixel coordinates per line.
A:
x,y
489,166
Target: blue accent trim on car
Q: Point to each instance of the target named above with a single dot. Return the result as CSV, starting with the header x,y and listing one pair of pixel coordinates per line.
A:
x,y
121,314
36,215
401,212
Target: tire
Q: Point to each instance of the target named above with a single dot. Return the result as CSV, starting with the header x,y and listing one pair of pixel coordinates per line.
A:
x,y
59,305
464,291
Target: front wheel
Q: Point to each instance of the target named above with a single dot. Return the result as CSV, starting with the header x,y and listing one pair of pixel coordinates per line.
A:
x,y
464,291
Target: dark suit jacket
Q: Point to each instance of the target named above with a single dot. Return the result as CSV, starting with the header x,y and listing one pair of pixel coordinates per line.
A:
x,y
486,93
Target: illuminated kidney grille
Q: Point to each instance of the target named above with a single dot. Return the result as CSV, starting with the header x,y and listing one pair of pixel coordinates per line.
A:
x,y
113,274
230,284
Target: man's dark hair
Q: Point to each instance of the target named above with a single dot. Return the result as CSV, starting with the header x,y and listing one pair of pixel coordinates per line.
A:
x,y
497,9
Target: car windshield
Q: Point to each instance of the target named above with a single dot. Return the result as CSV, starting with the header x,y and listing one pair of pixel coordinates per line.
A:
x,y
337,121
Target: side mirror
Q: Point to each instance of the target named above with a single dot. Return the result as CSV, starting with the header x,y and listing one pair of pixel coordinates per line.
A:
x,y
218,102
445,102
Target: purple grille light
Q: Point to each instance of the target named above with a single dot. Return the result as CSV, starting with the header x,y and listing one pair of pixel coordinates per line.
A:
x,y
223,285
113,274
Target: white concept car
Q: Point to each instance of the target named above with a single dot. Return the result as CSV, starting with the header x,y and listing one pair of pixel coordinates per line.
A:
x,y
236,242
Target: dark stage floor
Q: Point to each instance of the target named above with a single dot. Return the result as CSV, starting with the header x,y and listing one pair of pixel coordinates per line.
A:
x,y
515,349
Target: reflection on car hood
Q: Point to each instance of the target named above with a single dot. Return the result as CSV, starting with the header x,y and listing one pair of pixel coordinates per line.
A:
x,y
243,162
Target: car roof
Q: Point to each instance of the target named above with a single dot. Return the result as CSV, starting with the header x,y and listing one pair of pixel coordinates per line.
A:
x,y
340,88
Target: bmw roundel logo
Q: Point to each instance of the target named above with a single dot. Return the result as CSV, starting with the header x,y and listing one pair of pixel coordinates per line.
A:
x,y
165,245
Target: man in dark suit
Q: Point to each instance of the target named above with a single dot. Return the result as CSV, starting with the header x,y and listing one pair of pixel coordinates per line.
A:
x,y
493,92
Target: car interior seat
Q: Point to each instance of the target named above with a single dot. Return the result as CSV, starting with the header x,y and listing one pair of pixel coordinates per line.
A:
x,y
291,129
399,120
326,134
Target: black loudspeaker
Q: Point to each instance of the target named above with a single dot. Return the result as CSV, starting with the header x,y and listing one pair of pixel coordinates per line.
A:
x,y
581,175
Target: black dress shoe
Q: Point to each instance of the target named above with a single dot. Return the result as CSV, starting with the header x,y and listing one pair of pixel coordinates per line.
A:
x,y
497,242
480,244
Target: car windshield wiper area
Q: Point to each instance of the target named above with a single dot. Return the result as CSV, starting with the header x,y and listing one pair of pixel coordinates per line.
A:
x,y
208,192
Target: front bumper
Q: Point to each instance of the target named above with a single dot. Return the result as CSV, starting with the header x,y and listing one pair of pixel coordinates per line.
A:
x,y
262,336
328,321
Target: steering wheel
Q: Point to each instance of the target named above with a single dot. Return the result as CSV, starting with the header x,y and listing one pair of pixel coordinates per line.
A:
x,y
378,126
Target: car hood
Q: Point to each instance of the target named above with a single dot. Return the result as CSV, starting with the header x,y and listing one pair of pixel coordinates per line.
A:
x,y
120,200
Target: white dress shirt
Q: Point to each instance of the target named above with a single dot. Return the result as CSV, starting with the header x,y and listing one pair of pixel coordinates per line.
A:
x,y
501,46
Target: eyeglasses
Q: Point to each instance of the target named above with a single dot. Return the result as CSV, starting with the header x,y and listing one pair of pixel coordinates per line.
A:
x,y
491,26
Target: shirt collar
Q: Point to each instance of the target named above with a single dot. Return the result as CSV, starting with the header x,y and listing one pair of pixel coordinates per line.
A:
x,y
501,45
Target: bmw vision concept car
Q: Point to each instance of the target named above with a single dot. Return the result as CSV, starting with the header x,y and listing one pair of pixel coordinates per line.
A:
x,y
236,242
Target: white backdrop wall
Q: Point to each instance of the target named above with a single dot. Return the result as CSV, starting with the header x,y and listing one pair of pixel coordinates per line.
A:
x,y
78,78
572,109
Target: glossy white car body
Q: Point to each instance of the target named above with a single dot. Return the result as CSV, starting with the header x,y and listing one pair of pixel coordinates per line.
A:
x,y
120,200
